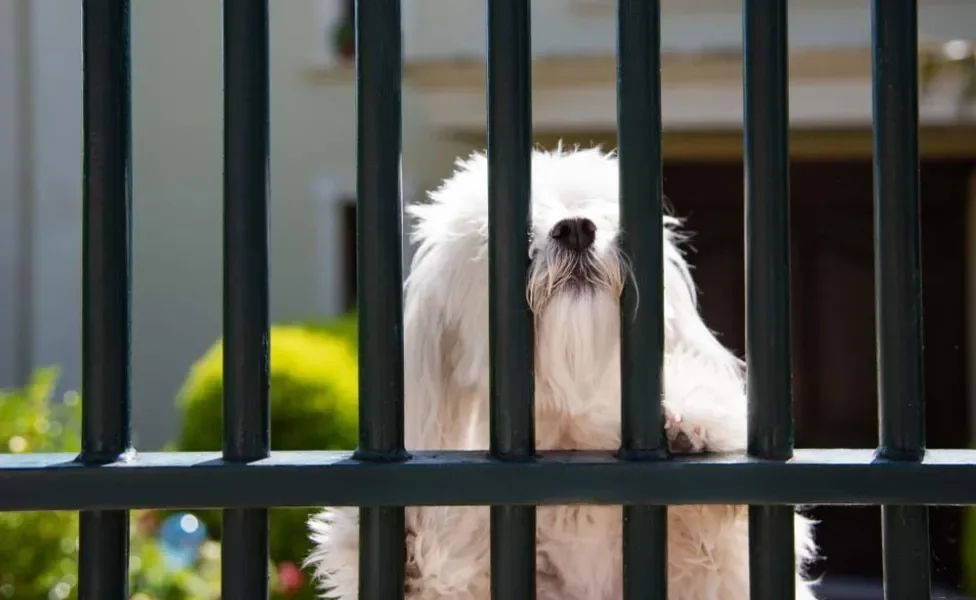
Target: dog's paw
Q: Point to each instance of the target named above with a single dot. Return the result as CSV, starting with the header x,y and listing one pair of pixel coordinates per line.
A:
x,y
683,437
412,583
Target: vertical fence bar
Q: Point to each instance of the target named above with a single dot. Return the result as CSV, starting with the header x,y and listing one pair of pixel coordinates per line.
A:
x,y
106,287
641,331
509,85
244,564
379,279
767,255
898,285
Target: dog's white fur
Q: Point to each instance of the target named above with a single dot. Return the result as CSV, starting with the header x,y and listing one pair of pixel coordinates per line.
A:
x,y
577,393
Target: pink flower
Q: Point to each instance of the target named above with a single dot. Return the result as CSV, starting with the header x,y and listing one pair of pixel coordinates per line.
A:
x,y
290,577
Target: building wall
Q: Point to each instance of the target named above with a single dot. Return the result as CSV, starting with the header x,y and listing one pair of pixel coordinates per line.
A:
x,y
178,132
177,145
587,27
177,186
40,188
10,195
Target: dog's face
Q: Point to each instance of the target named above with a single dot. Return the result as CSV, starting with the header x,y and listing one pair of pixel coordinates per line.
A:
x,y
576,270
576,273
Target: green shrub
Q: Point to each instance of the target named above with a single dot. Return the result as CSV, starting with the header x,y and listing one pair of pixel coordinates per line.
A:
x,y
39,550
313,407
345,329
313,394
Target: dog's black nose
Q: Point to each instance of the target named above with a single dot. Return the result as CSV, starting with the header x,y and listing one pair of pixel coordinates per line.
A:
x,y
574,234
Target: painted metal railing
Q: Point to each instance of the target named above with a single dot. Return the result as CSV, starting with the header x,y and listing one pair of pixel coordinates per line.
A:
x,y
108,477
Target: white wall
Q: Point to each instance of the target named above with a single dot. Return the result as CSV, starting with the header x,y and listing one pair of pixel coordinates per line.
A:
x,y
176,54
11,197
578,27
177,137
40,188
55,185
177,185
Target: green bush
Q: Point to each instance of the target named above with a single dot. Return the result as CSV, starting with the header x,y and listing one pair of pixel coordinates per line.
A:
x,y
313,394
39,550
313,407
345,329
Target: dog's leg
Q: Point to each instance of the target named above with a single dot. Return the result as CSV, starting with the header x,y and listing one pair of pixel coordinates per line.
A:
x,y
723,528
704,405
704,410
448,557
447,553
335,553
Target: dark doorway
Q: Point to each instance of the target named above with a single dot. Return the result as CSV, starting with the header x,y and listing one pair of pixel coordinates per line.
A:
x,y
833,320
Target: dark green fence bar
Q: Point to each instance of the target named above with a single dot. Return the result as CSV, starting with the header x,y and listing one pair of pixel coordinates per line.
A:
x,y
509,86
641,331
898,285
103,561
767,256
244,564
379,277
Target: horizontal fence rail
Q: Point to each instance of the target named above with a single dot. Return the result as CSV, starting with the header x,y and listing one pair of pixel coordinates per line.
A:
x,y
944,477
108,478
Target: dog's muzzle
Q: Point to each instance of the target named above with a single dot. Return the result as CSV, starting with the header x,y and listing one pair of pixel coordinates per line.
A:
x,y
574,235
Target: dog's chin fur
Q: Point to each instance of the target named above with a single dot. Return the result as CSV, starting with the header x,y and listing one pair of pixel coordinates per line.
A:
x,y
575,302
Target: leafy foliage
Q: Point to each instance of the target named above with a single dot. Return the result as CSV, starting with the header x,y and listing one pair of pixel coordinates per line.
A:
x,y
314,406
39,552
314,401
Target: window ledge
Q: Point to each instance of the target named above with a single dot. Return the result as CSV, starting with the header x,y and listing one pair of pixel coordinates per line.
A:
x,y
829,87
328,70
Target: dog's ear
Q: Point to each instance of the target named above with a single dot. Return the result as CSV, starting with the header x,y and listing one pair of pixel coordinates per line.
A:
x,y
441,306
429,415
685,326
435,418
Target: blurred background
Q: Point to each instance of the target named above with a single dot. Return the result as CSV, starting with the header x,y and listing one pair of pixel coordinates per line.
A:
x,y
177,145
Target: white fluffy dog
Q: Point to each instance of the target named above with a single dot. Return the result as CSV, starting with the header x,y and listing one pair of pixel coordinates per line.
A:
x,y
576,276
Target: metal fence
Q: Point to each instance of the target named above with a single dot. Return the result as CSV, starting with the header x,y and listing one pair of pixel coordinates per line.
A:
x,y
109,477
